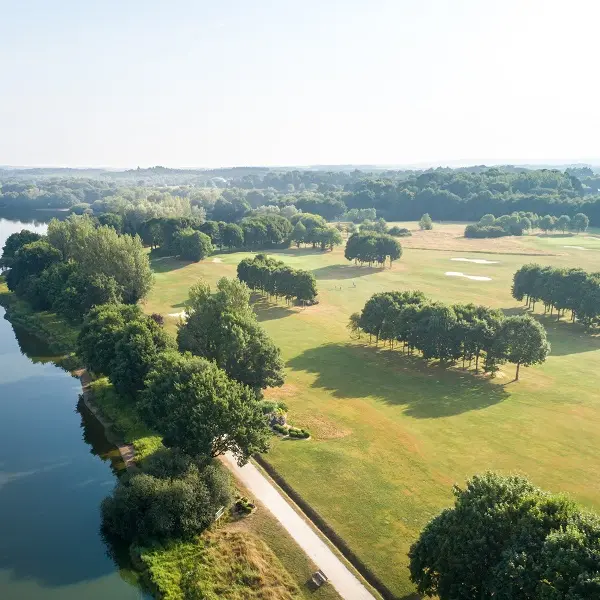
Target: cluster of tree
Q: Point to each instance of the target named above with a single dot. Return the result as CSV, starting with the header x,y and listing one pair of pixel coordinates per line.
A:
x,y
230,194
372,248
561,290
222,327
313,229
378,226
359,215
452,332
173,497
518,223
192,402
505,538
78,265
564,223
275,278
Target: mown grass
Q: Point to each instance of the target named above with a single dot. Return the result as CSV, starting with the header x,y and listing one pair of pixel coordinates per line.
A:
x,y
391,434
234,560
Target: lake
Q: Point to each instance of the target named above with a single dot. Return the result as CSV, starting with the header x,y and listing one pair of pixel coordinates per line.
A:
x,y
54,471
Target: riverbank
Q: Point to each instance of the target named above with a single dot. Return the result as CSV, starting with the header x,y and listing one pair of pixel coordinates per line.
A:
x,y
256,546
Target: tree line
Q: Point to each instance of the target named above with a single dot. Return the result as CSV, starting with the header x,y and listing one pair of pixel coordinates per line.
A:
x,y
452,332
505,538
275,278
519,223
560,290
76,266
371,248
449,194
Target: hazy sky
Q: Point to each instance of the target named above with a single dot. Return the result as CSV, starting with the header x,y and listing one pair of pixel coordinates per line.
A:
x,y
281,82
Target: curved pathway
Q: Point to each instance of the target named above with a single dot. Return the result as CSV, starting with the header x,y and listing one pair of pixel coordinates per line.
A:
x,y
340,577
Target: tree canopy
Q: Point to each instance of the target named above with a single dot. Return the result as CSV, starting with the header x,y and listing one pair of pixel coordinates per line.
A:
x,y
223,327
507,539
199,409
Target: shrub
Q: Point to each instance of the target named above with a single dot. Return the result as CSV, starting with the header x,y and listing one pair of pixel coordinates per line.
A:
x,y
173,498
399,231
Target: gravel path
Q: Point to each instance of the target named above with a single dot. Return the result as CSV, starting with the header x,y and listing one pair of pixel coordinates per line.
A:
x,y
342,579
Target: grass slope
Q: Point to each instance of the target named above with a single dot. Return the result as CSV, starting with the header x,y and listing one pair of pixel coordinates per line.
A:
x,y
392,434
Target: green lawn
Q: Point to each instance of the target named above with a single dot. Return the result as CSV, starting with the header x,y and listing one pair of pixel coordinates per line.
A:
x,y
391,434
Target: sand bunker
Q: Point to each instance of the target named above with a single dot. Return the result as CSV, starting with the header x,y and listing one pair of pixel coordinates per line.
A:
x,y
473,277
477,261
179,314
217,260
576,247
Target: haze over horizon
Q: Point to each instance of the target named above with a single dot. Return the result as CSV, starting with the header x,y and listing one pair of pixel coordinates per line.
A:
x,y
203,84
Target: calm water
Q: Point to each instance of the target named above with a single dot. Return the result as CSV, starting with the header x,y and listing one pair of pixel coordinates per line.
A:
x,y
53,474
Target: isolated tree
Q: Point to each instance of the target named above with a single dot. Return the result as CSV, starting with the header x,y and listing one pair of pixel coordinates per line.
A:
x,y
504,538
522,340
199,409
563,223
580,222
425,222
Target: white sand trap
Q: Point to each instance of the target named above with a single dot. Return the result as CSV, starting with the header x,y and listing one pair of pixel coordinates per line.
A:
x,y
473,277
477,261
217,260
179,314
576,247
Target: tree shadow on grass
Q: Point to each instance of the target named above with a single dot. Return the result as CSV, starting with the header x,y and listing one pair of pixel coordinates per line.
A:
x,y
344,271
165,264
269,311
425,390
564,337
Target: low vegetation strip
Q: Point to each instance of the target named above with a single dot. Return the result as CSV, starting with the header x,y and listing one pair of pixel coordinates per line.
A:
x,y
326,529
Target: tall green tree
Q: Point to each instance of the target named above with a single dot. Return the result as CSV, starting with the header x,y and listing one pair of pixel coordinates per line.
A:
x,y
522,340
504,538
224,328
580,222
199,409
425,222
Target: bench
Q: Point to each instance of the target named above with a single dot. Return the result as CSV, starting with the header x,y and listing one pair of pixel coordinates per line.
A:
x,y
319,578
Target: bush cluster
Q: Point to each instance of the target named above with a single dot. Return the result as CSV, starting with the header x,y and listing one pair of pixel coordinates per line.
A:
x,y
172,498
399,231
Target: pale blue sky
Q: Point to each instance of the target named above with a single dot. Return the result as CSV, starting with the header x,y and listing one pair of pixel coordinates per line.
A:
x,y
256,82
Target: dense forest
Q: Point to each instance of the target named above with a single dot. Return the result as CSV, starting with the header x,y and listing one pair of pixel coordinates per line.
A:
x,y
229,195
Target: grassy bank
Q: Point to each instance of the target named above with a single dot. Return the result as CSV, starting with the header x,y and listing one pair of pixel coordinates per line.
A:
x,y
253,558
391,434
59,335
